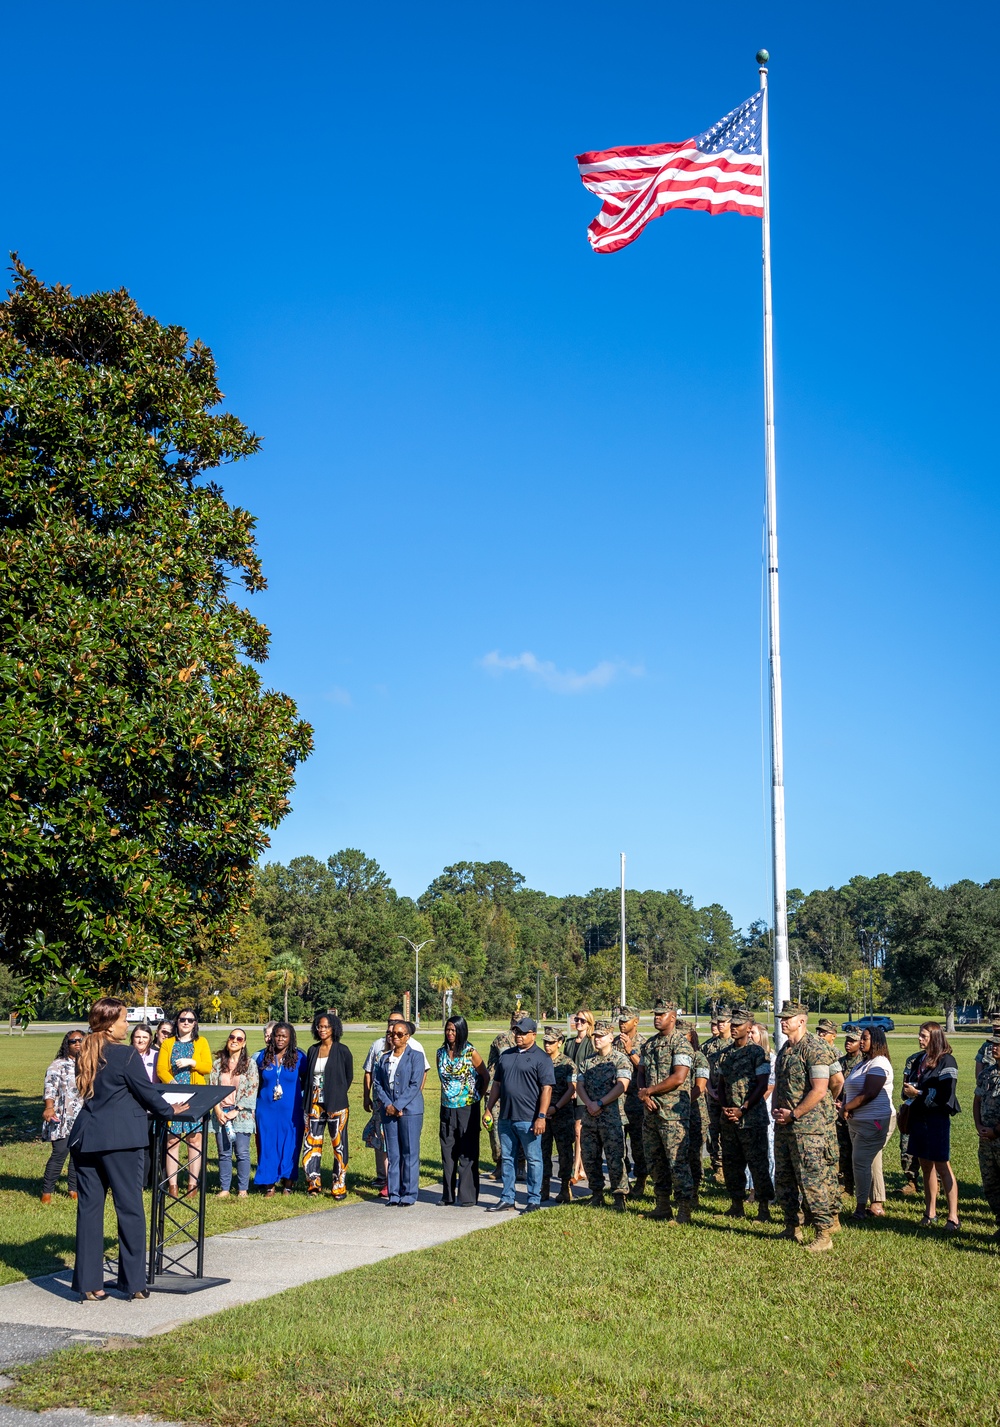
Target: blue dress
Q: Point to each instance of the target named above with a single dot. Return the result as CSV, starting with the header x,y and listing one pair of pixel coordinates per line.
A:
x,y
281,1122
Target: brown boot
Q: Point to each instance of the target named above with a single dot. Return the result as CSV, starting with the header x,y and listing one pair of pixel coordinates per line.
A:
x,y
46,1198
909,1189
764,1212
695,1200
663,1211
619,1203
835,1226
736,1210
791,1231
564,1196
684,1211
718,1175
639,1187
821,1243
596,1201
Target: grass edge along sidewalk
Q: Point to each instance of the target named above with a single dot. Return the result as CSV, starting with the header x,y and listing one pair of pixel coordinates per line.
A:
x,y
575,1314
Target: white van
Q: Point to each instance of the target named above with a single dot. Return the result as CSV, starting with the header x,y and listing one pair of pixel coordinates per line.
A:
x,y
153,1014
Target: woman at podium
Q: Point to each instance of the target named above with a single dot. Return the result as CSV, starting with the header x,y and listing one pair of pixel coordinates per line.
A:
x,y
107,1143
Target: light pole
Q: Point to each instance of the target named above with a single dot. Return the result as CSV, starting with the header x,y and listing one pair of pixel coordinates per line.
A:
x,y
555,978
538,995
416,947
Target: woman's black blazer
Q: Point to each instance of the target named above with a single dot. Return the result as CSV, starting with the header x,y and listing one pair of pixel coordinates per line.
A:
x,y
337,1080
114,1118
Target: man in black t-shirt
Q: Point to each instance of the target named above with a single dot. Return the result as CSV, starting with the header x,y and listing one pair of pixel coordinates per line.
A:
x,y
523,1084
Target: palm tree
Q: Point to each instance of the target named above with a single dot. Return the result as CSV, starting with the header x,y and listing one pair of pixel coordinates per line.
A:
x,y
288,970
444,979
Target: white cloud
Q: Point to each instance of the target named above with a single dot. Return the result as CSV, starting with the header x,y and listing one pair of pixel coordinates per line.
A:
x,y
337,695
559,681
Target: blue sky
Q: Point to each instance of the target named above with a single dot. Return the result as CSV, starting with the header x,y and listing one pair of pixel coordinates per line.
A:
x,y
510,495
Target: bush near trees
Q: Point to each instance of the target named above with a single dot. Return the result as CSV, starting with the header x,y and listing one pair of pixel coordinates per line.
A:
x,y
141,760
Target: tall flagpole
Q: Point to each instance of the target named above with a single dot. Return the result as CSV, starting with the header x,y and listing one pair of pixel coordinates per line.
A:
x,y
782,986
622,910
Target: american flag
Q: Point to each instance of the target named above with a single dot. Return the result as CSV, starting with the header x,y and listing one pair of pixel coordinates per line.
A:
x,y
719,171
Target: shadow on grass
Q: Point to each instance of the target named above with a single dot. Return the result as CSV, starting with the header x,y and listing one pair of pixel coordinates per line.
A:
x,y
35,1257
20,1116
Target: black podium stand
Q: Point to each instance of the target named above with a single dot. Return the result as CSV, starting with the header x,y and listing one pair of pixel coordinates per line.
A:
x,y
177,1226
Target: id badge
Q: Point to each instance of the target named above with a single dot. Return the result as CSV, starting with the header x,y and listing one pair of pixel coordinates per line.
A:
x,y
278,1092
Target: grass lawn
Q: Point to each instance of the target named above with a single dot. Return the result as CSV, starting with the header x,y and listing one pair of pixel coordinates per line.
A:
x,y
577,1315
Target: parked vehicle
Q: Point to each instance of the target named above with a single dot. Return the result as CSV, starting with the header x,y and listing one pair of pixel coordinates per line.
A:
x,y
152,1014
884,1023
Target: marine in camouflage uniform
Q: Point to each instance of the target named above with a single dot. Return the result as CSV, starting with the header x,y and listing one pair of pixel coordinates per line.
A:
x,y
713,1048
630,1044
909,1163
504,1041
602,1079
696,1124
560,1123
986,1109
849,1059
805,1155
667,1118
984,1055
743,1070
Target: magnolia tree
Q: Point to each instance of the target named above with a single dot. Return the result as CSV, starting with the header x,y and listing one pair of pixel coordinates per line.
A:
x,y
142,761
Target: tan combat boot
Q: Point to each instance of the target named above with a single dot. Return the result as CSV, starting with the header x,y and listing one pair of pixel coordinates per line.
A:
x,y
791,1231
764,1212
639,1187
735,1210
663,1211
684,1211
565,1195
835,1226
821,1243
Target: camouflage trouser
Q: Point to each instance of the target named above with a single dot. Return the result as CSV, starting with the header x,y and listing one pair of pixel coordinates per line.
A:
x,y
745,1147
633,1134
805,1175
846,1156
908,1163
559,1131
666,1145
714,1148
602,1136
989,1168
696,1144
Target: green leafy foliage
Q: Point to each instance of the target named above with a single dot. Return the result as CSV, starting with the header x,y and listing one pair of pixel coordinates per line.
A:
x,y
141,760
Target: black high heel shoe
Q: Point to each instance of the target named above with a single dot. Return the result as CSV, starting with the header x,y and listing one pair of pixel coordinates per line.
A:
x,y
99,1296
143,1293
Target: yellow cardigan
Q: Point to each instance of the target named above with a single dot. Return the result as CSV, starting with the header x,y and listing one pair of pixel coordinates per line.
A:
x,y
200,1052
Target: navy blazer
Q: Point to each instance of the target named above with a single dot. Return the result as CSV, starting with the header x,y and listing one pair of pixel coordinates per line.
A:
x,y
114,1118
405,1092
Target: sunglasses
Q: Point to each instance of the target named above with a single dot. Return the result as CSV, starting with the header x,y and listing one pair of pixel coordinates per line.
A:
x,y
183,1020
580,1020
240,1040
397,1035
78,1040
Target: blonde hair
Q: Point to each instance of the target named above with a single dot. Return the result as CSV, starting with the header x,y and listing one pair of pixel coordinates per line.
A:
x,y
103,1015
590,1021
762,1038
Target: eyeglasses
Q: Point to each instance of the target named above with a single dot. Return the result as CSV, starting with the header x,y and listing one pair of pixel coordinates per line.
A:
x,y
182,1019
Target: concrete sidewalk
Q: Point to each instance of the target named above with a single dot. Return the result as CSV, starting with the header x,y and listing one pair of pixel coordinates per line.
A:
x,y
259,1262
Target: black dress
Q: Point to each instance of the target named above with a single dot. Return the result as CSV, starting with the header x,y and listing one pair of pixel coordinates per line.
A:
x,y
929,1128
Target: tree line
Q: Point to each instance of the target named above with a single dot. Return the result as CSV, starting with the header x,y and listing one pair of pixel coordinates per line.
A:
x,y
338,934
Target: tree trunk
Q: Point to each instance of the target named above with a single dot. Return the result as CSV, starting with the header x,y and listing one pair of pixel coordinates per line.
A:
x,y
286,999
949,1019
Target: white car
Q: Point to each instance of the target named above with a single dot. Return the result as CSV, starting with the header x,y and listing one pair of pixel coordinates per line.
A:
x,y
152,1014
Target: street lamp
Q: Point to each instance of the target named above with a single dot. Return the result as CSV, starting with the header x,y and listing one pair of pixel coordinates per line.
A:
x,y
416,948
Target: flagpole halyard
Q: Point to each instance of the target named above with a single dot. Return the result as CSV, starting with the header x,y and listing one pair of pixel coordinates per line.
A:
x,y
781,978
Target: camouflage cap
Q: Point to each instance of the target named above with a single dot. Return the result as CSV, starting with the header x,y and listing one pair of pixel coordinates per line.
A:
x,y
996,1025
792,1008
852,1033
604,1028
741,1016
662,1006
628,1013
553,1033
828,1026
723,1016
994,1039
